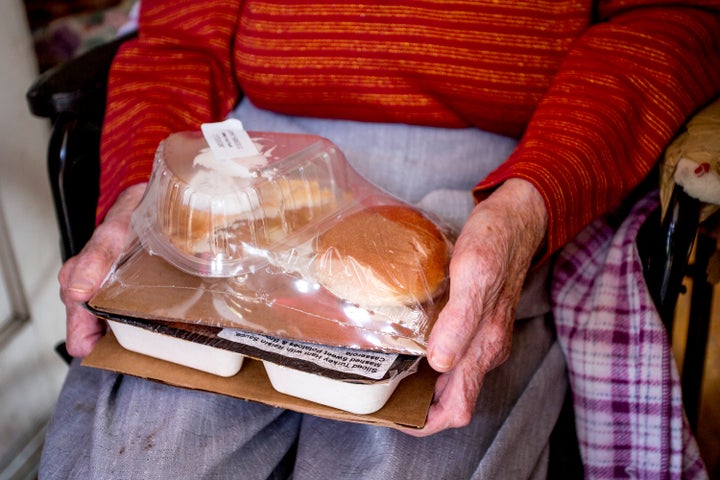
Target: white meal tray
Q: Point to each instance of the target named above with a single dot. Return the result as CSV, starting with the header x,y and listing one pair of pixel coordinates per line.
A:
x,y
355,397
359,398
208,359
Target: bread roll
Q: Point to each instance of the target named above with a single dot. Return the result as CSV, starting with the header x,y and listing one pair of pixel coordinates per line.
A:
x,y
383,256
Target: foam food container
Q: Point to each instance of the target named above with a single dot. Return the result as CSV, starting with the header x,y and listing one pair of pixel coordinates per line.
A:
x,y
201,357
358,398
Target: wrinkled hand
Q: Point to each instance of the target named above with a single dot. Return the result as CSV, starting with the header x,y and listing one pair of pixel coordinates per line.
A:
x,y
473,333
81,276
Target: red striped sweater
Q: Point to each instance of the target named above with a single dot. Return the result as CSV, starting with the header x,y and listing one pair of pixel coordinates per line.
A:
x,y
593,92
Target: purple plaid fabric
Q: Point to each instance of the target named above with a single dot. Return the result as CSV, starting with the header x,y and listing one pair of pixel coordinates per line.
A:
x,y
626,388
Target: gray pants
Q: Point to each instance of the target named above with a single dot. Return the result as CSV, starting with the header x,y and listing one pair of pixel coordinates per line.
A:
x,y
109,426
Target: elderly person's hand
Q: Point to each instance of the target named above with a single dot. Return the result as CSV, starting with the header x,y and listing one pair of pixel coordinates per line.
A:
x,y
473,333
80,277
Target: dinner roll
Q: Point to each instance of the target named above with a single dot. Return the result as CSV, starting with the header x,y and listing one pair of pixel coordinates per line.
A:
x,y
383,255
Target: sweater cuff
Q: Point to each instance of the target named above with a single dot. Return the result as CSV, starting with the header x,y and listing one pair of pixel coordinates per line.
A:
x,y
556,193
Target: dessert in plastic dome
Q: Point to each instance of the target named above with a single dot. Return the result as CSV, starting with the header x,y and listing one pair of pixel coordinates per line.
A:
x,y
221,217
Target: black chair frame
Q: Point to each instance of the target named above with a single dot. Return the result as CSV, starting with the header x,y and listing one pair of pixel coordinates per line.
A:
x,y
73,97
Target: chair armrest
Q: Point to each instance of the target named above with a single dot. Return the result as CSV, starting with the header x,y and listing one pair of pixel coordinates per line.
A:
x,y
77,85
664,249
72,95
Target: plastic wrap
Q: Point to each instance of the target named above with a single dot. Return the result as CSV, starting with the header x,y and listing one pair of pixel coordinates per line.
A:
x,y
290,243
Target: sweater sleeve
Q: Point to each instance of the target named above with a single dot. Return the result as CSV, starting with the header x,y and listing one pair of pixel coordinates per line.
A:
x,y
176,75
625,88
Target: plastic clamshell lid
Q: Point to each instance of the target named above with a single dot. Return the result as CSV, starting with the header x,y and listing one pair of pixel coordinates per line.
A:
x,y
358,398
223,363
224,218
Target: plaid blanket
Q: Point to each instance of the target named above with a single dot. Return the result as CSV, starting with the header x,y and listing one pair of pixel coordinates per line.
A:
x,y
626,388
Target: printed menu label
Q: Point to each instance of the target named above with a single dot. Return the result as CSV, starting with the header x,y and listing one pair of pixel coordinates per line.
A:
x,y
368,364
228,139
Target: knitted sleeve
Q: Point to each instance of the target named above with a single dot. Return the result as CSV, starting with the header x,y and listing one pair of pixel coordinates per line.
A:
x,y
159,85
625,88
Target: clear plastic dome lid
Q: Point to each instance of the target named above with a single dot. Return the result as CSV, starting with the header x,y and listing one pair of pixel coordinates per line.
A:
x,y
218,216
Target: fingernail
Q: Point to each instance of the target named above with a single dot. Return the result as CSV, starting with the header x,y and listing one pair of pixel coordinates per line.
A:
x,y
441,360
81,286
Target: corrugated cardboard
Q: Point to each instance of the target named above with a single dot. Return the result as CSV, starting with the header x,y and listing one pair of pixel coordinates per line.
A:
x,y
407,407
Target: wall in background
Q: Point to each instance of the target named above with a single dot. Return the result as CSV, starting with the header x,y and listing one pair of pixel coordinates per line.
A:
x,y
31,372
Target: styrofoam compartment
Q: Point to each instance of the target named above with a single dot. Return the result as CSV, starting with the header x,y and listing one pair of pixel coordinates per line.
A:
x,y
359,398
216,361
354,397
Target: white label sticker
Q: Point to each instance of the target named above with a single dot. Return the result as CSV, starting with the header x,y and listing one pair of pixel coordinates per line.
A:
x,y
228,139
359,362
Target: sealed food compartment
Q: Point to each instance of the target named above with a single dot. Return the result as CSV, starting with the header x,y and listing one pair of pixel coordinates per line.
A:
x,y
224,363
356,381
351,380
353,397
220,216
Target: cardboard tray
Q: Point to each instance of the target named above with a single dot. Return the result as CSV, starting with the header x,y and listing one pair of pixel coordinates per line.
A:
x,y
407,407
